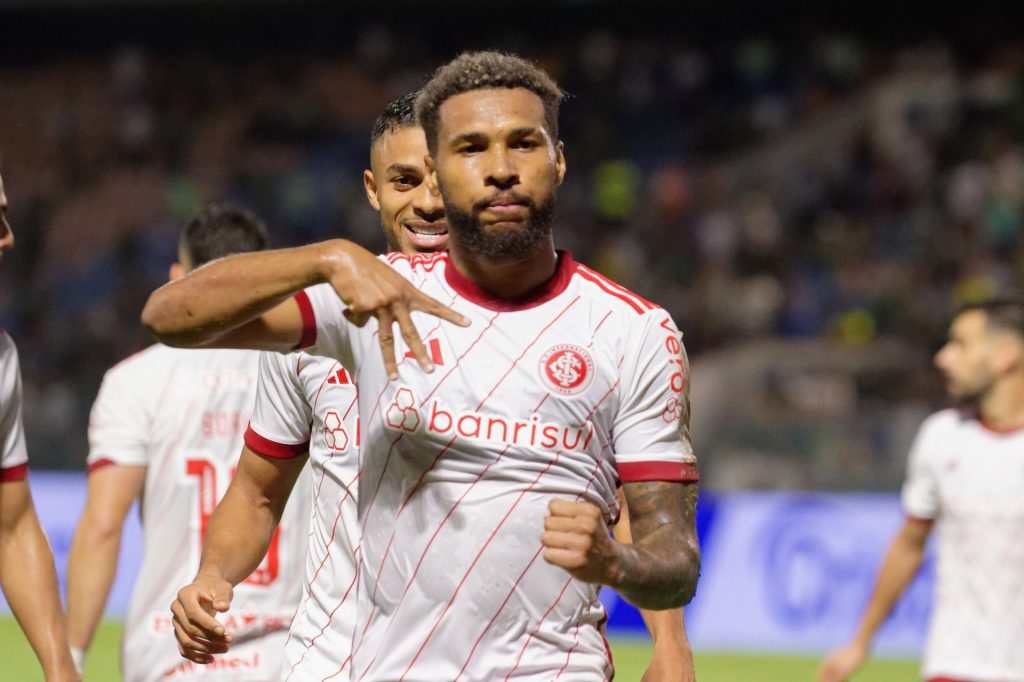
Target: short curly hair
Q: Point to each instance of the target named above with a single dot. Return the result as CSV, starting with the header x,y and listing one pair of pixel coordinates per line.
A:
x,y
482,70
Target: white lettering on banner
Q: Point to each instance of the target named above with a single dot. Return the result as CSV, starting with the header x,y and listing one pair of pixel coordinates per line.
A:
x,y
404,415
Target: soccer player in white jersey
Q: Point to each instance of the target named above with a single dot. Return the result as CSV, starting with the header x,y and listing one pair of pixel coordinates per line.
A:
x,y
488,478
966,479
307,401
27,573
166,429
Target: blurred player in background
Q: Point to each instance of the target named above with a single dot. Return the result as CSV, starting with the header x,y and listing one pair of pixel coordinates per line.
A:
x,y
454,520
307,403
966,477
166,429
27,573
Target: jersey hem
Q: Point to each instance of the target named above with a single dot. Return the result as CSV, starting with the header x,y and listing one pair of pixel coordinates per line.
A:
x,y
18,472
268,448
634,472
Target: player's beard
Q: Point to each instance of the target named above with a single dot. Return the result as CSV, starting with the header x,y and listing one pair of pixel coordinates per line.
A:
x,y
501,244
972,392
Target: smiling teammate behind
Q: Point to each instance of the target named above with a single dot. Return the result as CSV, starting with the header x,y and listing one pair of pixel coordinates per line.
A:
x,y
487,484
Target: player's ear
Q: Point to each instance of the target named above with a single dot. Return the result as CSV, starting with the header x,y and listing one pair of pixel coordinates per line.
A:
x,y
370,185
176,271
559,162
431,176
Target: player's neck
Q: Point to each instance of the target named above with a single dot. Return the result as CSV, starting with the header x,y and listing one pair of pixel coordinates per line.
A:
x,y
1002,408
507,278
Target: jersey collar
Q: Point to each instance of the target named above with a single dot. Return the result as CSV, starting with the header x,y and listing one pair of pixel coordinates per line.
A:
x,y
543,293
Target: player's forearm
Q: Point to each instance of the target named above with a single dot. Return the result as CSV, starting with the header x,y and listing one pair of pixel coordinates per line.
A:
x,y
659,570
238,536
901,562
232,291
92,566
29,582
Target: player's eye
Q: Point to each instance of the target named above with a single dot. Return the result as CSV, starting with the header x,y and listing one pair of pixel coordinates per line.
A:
x,y
405,182
523,144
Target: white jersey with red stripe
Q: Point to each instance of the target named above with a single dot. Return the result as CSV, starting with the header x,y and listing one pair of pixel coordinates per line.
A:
x,y
13,456
562,393
181,414
305,403
969,479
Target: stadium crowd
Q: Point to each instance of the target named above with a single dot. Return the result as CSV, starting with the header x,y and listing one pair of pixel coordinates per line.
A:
x,y
829,198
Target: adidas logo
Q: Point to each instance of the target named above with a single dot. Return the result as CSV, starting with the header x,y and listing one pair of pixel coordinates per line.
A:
x,y
340,377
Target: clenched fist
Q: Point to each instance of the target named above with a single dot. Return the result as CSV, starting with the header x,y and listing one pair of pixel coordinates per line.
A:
x,y
577,539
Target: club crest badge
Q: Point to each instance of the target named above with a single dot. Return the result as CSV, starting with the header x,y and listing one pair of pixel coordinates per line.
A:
x,y
567,369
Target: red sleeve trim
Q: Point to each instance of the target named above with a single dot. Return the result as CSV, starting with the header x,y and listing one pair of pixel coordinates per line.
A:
x,y
633,472
98,464
308,321
18,472
268,448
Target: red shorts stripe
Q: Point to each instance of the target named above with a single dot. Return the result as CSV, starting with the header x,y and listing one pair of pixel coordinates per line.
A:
x,y
632,472
98,464
308,321
945,679
268,448
18,472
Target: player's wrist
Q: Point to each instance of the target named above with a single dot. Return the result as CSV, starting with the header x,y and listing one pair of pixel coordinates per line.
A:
x,y
333,259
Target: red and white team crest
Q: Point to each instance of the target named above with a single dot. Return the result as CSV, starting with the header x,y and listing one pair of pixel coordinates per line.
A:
x,y
567,369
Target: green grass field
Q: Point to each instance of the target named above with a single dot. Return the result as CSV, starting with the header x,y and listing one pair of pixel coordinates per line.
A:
x,y
631,656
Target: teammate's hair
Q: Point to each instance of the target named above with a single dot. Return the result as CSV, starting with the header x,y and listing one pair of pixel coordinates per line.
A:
x,y
482,70
1001,313
401,113
219,230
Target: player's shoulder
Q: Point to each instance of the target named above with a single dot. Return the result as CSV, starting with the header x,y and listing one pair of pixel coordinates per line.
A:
x,y
946,422
633,314
610,292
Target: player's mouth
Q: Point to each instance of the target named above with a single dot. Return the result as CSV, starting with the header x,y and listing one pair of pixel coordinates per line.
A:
x,y
508,206
429,236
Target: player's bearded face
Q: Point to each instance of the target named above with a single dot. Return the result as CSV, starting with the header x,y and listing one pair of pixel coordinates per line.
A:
x,y
501,242
498,168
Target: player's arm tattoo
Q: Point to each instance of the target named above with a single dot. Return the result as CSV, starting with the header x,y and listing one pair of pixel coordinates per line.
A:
x,y
665,563
660,569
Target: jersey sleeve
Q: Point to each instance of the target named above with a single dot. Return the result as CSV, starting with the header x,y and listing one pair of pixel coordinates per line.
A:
x,y
920,494
325,330
281,418
652,394
119,424
13,454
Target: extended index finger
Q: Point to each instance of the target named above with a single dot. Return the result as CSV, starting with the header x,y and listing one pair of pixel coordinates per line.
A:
x,y
422,302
